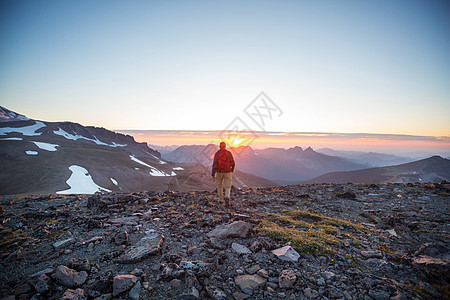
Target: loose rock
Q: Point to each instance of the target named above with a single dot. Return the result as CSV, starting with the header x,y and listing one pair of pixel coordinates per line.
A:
x,y
287,279
123,283
248,283
69,277
286,253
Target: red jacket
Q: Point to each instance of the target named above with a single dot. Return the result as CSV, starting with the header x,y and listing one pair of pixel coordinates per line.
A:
x,y
215,166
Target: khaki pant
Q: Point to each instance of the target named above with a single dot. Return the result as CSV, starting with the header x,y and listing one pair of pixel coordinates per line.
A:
x,y
223,179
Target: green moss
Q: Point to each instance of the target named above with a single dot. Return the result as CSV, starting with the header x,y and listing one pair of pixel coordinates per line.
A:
x,y
355,264
308,215
444,290
9,237
286,220
318,219
311,241
328,229
418,290
320,236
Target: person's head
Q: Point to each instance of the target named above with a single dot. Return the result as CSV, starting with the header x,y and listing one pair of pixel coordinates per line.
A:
x,y
222,145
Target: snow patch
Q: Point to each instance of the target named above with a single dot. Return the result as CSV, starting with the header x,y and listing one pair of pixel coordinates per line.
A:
x,y
12,139
154,171
159,160
178,169
115,183
29,152
133,158
46,146
73,137
81,182
27,130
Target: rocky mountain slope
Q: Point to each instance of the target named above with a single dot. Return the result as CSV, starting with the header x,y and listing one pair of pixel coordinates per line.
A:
x,y
433,169
287,242
65,157
293,164
7,116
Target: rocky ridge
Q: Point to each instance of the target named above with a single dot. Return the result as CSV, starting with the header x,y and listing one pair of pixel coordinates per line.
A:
x,y
333,241
39,157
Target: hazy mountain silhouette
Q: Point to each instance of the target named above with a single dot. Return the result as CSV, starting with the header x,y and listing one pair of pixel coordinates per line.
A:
x,y
370,159
433,169
292,164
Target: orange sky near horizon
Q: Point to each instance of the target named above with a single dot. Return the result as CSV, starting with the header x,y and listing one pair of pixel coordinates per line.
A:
x,y
259,140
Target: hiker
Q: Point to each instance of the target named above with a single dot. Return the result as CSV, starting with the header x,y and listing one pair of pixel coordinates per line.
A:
x,y
222,168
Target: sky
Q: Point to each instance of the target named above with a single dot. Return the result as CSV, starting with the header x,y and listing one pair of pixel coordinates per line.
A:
x,y
376,67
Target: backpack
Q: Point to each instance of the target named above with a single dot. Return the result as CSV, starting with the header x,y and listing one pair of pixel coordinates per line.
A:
x,y
223,163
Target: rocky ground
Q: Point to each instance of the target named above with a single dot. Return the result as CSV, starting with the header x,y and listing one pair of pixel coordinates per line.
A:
x,y
290,242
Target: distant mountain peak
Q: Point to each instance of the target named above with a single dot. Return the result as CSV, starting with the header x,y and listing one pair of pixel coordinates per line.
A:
x,y
309,149
296,148
436,157
7,115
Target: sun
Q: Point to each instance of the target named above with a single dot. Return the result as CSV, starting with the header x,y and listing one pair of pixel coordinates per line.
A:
x,y
236,141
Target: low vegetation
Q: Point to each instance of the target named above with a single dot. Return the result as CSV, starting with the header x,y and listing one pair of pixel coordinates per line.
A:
x,y
309,231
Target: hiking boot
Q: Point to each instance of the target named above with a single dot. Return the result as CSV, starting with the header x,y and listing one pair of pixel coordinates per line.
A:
x,y
227,202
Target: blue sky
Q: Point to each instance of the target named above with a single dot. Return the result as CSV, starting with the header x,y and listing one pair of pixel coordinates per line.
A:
x,y
331,66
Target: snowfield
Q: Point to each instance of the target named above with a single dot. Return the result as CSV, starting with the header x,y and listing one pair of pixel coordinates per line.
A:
x,y
154,171
12,139
29,152
77,137
178,169
81,182
46,146
27,130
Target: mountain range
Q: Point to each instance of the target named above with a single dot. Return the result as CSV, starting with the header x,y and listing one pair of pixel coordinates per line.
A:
x,y
370,159
64,157
277,164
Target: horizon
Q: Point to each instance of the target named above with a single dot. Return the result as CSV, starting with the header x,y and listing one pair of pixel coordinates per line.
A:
x,y
396,144
377,67
363,142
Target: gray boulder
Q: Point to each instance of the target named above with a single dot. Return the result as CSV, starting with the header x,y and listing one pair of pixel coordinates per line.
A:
x,y
148,245
235,229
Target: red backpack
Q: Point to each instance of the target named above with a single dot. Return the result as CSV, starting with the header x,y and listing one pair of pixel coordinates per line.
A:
x,y
224,163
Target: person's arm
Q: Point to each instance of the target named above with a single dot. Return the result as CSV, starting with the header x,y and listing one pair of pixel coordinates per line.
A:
x,y
231,159
215,165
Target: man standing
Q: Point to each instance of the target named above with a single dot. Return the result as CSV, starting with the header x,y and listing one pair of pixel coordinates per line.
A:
x,y
223,167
